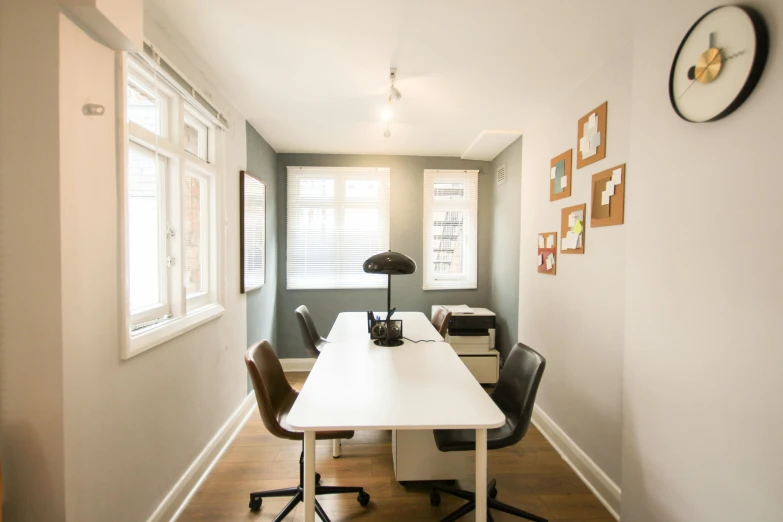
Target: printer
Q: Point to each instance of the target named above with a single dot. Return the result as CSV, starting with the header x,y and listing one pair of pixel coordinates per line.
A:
x,y
470,329
471,333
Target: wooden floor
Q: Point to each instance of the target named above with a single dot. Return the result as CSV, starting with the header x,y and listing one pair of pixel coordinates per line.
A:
x,y
530,475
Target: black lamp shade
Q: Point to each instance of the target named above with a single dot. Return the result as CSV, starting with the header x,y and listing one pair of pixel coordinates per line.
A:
x,y
392,263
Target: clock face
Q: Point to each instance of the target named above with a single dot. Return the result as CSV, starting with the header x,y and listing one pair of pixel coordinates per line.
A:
x,y
718,63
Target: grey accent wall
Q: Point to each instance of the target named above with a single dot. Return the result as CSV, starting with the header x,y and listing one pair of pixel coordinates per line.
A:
x,y
407,175
261,303
504,247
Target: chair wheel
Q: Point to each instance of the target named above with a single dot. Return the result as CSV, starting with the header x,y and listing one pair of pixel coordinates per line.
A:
x,y
493,493
435,498
317,479
255,503
363,498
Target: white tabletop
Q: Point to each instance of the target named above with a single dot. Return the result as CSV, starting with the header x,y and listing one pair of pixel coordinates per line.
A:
x,y
357,385
352,326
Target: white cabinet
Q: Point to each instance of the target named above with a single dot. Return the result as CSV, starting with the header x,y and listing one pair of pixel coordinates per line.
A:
x,y
416,457
484,367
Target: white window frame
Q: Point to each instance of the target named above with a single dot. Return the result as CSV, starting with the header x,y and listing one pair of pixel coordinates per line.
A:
x,y
468,279
152,313
205,144
182,312
208,260
337,202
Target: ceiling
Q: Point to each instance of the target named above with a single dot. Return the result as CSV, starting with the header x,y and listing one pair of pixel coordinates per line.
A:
x,y
313,76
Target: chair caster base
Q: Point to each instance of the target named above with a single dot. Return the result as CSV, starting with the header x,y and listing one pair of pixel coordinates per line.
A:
x,y
255,504
363,499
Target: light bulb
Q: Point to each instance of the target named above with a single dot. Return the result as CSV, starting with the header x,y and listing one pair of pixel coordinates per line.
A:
x,y
387,114
387,133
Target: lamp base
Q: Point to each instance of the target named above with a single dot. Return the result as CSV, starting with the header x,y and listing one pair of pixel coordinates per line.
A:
x,y
389,342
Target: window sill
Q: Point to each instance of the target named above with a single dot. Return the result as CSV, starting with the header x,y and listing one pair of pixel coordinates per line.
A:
x,y
336,287
461,287
139,342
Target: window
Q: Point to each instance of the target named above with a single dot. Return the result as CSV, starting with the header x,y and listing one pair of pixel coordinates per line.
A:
x,y
450,229
170,217
196,135
337,218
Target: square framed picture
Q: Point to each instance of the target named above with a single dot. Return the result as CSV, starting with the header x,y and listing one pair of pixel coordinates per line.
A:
x,y
591,137
560,176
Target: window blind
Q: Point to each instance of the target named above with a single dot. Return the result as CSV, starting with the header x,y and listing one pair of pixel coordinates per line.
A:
x,y
450,229
337,218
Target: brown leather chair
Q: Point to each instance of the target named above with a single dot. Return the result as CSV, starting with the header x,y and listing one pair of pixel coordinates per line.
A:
x,y
313,342
275,397
440,320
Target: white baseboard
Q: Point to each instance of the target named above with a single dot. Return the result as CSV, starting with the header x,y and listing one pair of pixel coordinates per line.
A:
x,y
297,365
179,496
594,478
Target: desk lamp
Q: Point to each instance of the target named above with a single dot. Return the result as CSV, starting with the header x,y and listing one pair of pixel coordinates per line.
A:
x,y
389,263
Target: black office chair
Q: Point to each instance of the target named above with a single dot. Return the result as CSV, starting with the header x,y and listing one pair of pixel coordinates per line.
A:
x,y
313,342
515,395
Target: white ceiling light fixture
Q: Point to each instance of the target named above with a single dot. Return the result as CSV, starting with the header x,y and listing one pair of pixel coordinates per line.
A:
x,y
394,95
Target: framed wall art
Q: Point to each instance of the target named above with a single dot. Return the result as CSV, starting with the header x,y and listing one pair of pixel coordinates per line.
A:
x,y
252,232
560,176
591,137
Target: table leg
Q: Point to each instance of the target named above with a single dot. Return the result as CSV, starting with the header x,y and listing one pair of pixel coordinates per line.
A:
x,y
309,476
481,475
336,447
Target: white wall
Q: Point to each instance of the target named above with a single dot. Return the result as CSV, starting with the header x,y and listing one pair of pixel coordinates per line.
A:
x,y
575,318
703,392
131,427
31,379
86,435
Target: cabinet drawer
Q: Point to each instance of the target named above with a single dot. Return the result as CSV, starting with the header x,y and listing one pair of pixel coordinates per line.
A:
x,y
483,367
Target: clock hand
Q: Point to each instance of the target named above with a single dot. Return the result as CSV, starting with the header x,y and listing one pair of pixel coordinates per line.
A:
x,y
699,76
735,55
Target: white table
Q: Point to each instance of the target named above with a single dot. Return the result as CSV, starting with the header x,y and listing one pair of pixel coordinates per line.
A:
x,y
352,326
356,385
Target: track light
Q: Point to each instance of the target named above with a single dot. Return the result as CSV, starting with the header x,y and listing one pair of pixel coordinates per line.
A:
x,y
395,93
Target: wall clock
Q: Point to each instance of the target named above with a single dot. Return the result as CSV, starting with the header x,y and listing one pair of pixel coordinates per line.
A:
x,y
718,63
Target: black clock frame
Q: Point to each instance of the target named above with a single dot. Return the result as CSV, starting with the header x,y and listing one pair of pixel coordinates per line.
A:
x,y
759,62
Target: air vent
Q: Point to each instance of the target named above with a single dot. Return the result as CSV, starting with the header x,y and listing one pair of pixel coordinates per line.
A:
x,y
500,175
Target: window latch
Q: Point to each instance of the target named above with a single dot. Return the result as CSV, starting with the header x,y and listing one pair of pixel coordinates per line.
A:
x,y
170,261
169,232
